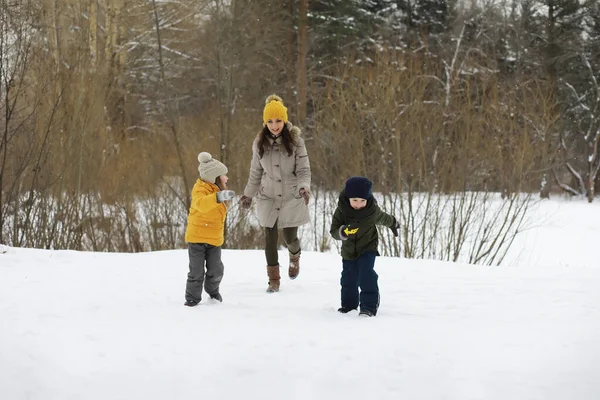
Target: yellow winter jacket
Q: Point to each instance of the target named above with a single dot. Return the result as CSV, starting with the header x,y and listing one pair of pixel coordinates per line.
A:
x,y
206,220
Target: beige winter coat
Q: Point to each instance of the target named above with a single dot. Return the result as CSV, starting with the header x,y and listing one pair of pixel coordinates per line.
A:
x,y
275,182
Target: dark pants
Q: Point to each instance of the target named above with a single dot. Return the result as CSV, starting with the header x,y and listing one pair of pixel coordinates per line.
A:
x,y
360,273
290,237
201,254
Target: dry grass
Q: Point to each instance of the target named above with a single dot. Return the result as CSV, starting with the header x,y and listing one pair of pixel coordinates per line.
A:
x,y
94,152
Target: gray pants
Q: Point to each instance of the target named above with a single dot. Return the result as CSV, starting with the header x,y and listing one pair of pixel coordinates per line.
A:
x,y
201,253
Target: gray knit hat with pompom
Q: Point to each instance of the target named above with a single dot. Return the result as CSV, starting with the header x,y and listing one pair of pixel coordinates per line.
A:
x,y
209,168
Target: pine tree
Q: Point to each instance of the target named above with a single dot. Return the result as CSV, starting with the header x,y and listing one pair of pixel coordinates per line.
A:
x,y
343,27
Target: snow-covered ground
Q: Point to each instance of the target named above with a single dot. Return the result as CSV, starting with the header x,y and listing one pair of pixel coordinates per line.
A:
x,y
113,326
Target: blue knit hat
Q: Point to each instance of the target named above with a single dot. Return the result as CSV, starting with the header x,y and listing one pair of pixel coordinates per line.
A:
x,y
358,187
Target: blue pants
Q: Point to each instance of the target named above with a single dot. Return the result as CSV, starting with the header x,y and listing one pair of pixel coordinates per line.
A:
x,y
360,273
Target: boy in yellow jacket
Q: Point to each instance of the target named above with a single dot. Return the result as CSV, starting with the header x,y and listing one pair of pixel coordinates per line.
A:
x,y
204,232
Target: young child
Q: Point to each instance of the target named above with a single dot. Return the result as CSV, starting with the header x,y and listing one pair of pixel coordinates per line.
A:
x,y
354,222
204,232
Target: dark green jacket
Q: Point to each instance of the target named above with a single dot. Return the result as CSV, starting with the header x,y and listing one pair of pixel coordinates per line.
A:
x,y
365,219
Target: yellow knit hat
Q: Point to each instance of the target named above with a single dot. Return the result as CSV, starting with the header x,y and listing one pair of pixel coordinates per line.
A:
x,y
274,109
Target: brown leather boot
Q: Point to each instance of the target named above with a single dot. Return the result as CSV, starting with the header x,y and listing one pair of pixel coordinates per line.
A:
x,y
294,268
274,278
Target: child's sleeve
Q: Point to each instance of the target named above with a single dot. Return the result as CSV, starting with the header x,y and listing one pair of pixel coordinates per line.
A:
x,y
384,218
336,222
203,201
256,172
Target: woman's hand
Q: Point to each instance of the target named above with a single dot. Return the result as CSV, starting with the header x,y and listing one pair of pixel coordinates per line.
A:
x,y
245,202
305,194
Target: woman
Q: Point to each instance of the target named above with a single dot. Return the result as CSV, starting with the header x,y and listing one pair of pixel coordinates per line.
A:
x,y
279,180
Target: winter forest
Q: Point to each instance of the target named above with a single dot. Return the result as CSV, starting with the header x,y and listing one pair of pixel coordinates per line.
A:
x,y
463,113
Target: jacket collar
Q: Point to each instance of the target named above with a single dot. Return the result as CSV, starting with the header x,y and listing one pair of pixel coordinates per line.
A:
x,y
274,139
212,186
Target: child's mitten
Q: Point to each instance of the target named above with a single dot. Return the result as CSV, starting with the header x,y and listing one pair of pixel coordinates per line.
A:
x,y
346,231
395,226
225,195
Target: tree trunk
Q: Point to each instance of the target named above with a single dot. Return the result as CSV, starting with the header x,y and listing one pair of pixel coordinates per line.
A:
x,y
93,18
115,31
55,34
171,112
291,56
220,83
301,63
594,166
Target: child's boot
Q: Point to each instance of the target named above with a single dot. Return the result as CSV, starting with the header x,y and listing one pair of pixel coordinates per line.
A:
x,y
294,268
274,278
217,296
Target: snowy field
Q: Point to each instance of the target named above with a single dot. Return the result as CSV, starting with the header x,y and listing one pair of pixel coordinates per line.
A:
x,y
113,326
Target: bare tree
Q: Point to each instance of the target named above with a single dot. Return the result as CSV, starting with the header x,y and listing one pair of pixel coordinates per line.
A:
x,y
16,23
444,167
584,110
301,64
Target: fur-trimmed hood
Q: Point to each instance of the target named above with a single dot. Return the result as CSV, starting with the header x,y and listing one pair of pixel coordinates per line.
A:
x,y
294,130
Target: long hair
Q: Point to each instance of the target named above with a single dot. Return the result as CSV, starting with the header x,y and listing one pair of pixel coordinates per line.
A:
x,y
220,183
287,139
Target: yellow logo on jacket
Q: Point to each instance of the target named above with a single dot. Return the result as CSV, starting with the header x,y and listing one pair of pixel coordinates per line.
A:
x,y
349,231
